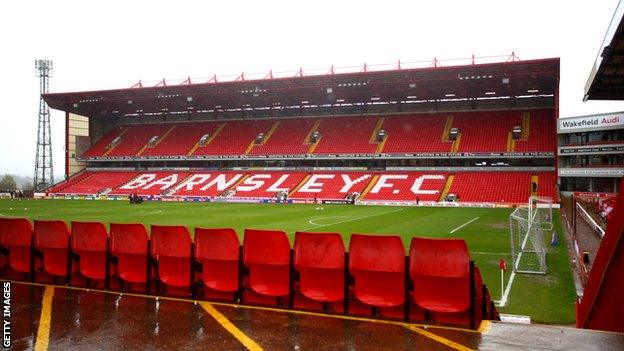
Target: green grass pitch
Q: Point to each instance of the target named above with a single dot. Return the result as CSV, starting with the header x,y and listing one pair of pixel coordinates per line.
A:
x,y
547,299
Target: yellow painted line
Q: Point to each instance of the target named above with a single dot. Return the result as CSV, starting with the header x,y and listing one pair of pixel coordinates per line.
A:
x,y
485,327
231,328
261,308
441,340
43,333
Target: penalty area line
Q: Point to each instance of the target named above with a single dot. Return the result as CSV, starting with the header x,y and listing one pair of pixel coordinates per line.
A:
x,y
463,225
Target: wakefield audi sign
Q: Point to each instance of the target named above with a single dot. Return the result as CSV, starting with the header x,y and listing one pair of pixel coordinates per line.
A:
x,y
591,123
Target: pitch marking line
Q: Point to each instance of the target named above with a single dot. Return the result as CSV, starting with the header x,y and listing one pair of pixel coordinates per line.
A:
x,y
313,220
463,225
503,300
441,340
231,328
43,333
352,219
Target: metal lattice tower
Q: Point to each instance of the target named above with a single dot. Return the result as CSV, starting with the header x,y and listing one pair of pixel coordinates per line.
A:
x,y
44,173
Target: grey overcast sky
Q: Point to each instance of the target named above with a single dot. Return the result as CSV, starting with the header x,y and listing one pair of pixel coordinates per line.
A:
x,y
113,44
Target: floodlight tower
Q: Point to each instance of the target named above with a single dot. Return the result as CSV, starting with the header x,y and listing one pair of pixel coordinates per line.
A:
x,y
44,173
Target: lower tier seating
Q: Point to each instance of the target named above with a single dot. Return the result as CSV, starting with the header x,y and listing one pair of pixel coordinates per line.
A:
x,y
407,186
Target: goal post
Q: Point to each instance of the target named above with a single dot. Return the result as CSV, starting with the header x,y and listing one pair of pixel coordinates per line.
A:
x,y
529,227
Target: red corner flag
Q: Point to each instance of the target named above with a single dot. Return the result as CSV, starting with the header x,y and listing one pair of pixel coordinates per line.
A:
x,y
502,265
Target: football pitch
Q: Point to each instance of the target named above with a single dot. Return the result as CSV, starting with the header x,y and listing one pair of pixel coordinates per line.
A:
x,y
546,298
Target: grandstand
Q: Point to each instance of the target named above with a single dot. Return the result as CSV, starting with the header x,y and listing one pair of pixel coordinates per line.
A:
x,y
483,133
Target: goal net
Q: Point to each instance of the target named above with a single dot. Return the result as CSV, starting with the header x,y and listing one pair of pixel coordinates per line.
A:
x,y
530,227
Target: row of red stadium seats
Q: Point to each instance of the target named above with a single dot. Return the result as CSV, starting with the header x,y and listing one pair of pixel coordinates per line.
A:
x,y
436,283
336,135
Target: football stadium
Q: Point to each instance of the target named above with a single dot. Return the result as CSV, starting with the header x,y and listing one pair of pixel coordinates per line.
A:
x,y
414,205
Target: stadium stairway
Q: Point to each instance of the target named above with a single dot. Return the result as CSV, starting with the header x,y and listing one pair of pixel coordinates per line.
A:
x,y
110,147
369,186
210,139
447,187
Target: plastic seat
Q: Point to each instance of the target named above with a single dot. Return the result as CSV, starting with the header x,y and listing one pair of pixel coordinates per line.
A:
x,y
319,259
377,263
440,272
171,248
217,250
16,235
267,255
129,244
90,242
52,239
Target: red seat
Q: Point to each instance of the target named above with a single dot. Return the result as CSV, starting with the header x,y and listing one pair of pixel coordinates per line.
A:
x,y
440,272
217,250
16,236
171,248
267,255
319,259
90,242
129,243
377,264
52,238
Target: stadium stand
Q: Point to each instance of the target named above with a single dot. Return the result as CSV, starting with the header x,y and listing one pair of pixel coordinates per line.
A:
x,y
235,138
218,252
406,187
331,185
415,133
346,135
104,144
90,183
182,138
291,137
89,244
501,187
410,186
135,140
338,135
268,184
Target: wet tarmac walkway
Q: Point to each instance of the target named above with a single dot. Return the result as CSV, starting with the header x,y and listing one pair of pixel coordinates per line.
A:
x,y
60,318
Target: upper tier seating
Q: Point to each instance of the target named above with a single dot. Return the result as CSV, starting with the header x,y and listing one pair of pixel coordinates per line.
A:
x,y
182,139
289,138
101,146
542,133
346,135
483,131
419,133
235,137
136,138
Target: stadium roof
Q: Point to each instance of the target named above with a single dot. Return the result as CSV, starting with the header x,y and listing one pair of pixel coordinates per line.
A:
x,y
369,85
606,79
